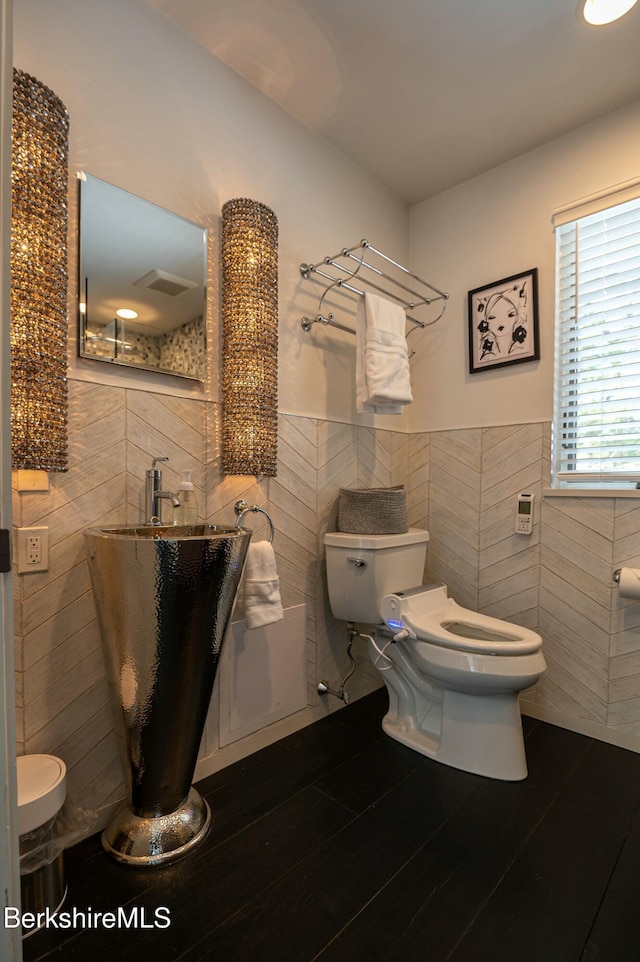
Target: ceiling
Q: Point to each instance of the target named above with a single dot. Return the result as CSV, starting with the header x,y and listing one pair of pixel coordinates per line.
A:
x,y
424,93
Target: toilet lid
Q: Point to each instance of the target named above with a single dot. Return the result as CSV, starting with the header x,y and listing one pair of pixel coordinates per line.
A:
x,y
41,790
375,542
456,627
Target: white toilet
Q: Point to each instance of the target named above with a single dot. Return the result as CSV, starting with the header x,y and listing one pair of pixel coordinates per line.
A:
x,y
453,675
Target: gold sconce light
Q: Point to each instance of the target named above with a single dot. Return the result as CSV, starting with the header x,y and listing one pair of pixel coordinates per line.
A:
x,y
249,338
40,147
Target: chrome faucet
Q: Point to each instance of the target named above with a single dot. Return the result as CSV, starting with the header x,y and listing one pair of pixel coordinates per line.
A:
x,y
153,494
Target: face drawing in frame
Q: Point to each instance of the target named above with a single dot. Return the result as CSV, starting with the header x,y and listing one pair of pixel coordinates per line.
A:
x,y
503,323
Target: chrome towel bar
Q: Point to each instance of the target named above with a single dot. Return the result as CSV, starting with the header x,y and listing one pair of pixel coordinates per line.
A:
x,y
241,508
387,285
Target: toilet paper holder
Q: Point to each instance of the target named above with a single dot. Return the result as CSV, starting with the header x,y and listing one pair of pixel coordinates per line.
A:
x,y
628,583
619,576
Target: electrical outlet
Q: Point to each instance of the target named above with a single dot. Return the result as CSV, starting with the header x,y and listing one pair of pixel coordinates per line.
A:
x,y
33,550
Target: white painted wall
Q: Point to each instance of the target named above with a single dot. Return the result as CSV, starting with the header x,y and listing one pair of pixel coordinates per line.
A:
x,y
491,227
152,112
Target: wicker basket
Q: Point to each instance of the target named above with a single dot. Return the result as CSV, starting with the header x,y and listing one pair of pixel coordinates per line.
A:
x,y
373,510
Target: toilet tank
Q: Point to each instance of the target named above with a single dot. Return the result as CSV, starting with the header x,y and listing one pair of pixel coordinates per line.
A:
x,y
363,568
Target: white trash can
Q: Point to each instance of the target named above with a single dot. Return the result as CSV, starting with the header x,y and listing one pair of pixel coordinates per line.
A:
x,y
42,792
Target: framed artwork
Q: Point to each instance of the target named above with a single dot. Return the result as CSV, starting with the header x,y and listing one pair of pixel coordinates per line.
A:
x,y
503,322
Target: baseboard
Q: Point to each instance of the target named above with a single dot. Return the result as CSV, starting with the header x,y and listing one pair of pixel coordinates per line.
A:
x,y
583,726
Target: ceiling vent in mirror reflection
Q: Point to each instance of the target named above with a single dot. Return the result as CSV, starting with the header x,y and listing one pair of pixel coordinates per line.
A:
x,y
135,253
164,283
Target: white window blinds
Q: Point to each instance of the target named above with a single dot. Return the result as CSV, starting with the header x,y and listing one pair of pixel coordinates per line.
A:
x,y
596,437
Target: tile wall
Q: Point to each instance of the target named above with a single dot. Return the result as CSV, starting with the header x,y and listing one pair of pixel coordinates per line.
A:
x,y
461,485
558,580
61,691
180,351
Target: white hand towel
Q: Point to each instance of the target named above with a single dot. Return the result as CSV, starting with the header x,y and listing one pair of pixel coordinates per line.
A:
x,y
363,405
383,383
261,592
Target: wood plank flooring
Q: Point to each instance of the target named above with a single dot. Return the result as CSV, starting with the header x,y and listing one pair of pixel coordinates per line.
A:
x,y
337,844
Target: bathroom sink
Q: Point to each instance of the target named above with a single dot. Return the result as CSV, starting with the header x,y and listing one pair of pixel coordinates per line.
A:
x,y
171,532
164,596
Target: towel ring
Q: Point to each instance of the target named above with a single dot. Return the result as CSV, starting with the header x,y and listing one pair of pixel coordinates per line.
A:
x,y
242,508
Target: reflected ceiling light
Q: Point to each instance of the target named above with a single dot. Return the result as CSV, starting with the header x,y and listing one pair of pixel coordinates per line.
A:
x,y
249,338
39,176
126,313
599,12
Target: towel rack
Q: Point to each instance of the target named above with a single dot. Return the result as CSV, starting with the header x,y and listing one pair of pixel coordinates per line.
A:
x,y
241,508
354,265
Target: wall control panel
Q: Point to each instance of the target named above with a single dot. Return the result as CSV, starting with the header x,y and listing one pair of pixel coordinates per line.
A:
x,y
524,514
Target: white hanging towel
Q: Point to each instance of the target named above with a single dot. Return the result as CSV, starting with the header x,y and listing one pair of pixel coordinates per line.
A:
x,y
262,602
383,382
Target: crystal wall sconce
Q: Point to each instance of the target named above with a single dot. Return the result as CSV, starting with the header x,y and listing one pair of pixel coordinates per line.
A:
x,y
249,338
39,172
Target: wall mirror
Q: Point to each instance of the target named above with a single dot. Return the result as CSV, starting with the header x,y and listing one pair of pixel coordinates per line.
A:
x,y
142,288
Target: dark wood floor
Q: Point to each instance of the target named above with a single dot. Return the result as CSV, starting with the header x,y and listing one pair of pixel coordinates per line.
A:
x,y
339,844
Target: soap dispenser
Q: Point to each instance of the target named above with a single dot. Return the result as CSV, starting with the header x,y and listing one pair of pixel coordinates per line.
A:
x,y
187,511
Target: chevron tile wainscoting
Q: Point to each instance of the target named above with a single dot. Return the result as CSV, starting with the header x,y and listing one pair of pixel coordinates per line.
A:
x,y
461,485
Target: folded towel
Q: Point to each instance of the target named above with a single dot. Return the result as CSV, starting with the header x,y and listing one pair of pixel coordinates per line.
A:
x,y
383,383
261,590
363,405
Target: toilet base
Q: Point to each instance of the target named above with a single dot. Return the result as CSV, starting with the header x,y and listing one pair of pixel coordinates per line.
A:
x,y
481,734
161,840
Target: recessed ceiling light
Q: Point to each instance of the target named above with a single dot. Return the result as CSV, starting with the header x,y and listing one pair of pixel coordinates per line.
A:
x,y
126,314
606,11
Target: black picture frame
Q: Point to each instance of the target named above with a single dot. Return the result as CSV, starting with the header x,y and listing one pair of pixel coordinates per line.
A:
x,y
503,322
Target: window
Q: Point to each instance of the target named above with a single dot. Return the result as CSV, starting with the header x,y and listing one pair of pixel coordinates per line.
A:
x,y
596,429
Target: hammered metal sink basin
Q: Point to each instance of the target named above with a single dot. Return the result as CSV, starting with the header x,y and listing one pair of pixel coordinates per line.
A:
x,y
164,596
170,532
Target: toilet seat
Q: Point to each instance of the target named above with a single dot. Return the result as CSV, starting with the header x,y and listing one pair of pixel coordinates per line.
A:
x,y
41,790
464,670
431,615
455,627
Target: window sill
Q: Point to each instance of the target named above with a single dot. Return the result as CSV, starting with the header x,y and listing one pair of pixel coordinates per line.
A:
x,y
590,493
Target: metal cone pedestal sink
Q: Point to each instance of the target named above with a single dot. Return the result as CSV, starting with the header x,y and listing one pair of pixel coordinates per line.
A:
x,y
164,596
